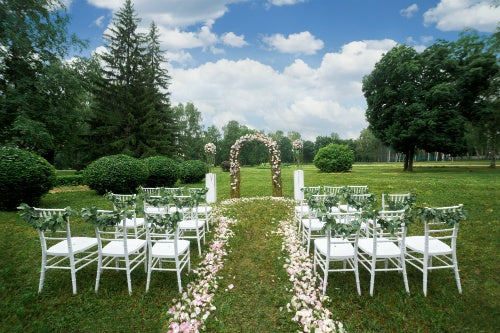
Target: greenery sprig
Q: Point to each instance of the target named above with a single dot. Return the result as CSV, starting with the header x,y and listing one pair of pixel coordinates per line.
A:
x,y
104,219
428,214
340,229
405,204
165,221
121,202
52,222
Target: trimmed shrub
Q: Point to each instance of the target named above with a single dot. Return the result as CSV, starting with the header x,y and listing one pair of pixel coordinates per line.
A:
x,y
24,177
192,171
116,173
225,166
163,171
334,158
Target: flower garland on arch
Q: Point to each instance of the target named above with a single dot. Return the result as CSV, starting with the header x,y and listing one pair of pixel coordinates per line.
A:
x,y
275,153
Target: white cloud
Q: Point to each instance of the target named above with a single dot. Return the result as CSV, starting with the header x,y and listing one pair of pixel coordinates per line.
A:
x,y
455,15
285,2
231,39
173,13
312,101
301,43
99,22
408,12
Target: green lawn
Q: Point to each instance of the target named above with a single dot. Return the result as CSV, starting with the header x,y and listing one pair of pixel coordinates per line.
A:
x,y
255,265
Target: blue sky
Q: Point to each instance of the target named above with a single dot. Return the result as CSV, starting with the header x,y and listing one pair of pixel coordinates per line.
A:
x,y
290,65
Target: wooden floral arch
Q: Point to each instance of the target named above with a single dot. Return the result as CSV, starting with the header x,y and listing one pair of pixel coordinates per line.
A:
x,y
275,160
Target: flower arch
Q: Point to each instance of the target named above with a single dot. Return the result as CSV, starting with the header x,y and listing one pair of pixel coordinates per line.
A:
x,y
275,160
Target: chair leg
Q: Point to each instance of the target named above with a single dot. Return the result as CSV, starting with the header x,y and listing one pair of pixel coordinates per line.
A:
x,y
148,276
356,275
457,276
425,272
73,278
372,278
42,273
198,239
129,279
99,270
405,276
325,278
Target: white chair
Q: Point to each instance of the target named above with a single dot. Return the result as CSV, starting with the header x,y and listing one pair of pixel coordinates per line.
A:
x,y
332,250
152,205
166,251
363,189
122,254
302,210
204,210
128,202
311,225
394,199
60,250
191,227
384,246
439,243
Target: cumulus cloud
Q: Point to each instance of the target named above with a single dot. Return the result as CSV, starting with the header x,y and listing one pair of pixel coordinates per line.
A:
x,y
408,12
284,2
231,39
301,43
313,101
455,15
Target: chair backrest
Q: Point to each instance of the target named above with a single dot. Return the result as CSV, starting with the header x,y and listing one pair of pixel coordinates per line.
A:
x,y
310,190
125,201
331,189
358,189
382,234
393,197
359,198
156,232
439,229
111,233
173,190
198,190
154,191
49,238
352,219
151,208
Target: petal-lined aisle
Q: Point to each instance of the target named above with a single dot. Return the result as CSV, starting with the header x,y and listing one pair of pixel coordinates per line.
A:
x,y
254,276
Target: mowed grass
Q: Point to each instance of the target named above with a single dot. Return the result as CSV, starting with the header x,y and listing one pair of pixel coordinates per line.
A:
x,y
254,266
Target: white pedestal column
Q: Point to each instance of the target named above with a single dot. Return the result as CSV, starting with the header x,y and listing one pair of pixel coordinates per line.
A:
x,y
211,185
298,184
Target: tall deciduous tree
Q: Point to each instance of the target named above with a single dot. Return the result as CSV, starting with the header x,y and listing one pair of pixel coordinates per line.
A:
x,y
191,141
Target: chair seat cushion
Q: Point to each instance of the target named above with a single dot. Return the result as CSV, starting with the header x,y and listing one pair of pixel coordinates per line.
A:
x,y
155,210
116,248
129,223
203,210
385,249
304,209
339,248
191,224
436,247
166,249
78,244
346,208
314,224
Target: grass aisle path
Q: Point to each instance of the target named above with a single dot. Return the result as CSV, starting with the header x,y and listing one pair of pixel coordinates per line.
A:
x,y
254,268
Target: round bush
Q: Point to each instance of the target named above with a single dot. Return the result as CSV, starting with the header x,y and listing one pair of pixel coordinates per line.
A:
x,y
24,177
225,166
163,171
116,173
334,158
192,171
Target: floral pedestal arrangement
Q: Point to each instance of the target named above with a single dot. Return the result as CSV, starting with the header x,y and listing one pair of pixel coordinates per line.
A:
x,y
211,185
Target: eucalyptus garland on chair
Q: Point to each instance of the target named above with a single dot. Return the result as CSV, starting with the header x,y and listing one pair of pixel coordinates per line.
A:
x,y
428,214
51,222
340,229
121,201
104,219
406,204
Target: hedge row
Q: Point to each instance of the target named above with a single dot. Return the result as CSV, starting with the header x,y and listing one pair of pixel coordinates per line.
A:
x,y
123,174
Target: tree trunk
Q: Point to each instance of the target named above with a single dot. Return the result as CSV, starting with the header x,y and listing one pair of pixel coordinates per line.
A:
x,y
411,154
492,149
406,162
